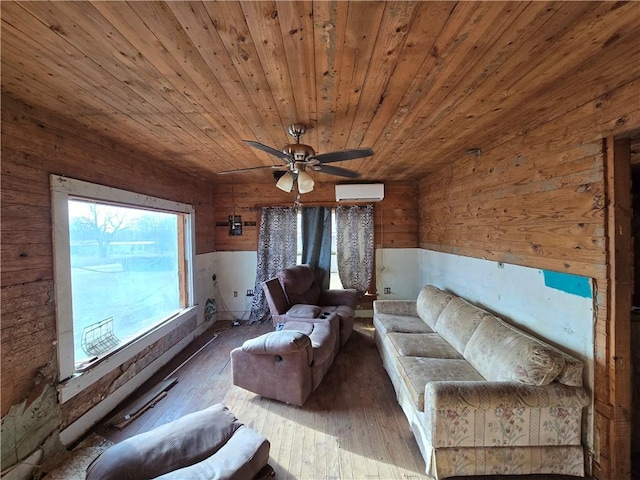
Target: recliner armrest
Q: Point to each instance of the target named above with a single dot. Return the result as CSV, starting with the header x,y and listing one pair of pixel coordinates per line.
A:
x,y
281,342
347,296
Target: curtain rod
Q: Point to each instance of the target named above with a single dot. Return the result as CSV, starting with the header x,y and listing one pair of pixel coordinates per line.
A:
x,y
313,204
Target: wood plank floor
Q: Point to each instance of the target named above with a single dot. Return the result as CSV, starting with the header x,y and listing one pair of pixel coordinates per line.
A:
x,y
351,427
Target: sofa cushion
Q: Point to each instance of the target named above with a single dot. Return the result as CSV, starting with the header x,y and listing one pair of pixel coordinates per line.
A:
x,y
502,353
458,321
387,323
430,345
242,457
416,372
302,310
178,444
430,304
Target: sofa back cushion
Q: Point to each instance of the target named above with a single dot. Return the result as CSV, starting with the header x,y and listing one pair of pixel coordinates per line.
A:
x,y
299,284
430,304
500,352
458,321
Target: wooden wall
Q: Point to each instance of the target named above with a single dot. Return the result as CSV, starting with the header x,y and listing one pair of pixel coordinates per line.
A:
x,y
636,233
34,145
538,198
396,220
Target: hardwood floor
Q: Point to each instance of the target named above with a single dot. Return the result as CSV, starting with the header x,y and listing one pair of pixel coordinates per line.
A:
x,y
351,427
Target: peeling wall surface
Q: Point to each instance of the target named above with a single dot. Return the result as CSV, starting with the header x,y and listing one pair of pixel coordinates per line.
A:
x,y
28,425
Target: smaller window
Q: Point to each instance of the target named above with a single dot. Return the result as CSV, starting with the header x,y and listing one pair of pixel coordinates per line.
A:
x,y
334,280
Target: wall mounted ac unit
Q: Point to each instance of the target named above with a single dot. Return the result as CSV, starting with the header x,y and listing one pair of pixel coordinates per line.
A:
x,y
360,192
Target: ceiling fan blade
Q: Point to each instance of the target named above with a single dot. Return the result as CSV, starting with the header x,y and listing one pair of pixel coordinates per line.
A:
x,y
241,170
342,172
269,150
341,155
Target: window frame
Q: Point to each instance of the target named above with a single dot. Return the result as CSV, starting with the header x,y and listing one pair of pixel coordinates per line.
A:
x,y
72,380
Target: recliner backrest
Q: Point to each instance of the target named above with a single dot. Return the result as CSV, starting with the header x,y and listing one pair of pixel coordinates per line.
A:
x,y
299,284
276,298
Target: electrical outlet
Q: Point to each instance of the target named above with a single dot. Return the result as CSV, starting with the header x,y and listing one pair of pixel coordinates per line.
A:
x,y
387,290
235,294
249,293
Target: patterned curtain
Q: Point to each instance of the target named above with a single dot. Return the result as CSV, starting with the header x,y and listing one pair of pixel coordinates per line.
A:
x,y
354,241
277,248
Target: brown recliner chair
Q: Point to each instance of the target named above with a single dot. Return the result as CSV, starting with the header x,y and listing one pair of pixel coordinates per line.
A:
x,y
287,365
294,294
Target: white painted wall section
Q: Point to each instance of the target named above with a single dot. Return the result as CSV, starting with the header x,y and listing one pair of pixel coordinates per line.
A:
x,y
398,269
235,272
518,294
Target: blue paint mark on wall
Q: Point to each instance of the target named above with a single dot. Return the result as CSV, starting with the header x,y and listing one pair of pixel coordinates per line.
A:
x,y
566,282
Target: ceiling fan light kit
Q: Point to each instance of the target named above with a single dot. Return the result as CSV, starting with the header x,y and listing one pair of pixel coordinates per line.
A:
x,y
286,182
299,157
305,182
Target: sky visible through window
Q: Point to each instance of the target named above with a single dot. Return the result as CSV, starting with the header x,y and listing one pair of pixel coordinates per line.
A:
x,y
124,273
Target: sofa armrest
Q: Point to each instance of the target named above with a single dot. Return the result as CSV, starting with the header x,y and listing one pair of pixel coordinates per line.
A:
x,y
347,296
490,395
395,307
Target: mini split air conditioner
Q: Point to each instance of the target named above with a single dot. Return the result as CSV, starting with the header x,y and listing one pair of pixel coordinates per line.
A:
x,y
360,192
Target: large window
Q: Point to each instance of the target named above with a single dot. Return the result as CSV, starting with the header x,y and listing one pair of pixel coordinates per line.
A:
x,y
122,264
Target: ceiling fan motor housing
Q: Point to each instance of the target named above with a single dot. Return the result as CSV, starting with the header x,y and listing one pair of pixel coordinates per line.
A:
x,y
299,151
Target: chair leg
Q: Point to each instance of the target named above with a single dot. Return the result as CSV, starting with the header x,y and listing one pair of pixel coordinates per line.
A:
x,y
266,472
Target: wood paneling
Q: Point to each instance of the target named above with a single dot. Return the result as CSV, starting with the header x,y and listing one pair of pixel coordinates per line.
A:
x,y
150,96
527,210
420,82
620,279
36,143
396,221
540,199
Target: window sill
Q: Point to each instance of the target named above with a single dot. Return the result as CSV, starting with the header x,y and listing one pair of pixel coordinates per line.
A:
x,y
70,387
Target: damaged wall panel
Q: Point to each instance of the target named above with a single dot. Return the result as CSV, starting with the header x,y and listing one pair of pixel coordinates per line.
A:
x,y
36,143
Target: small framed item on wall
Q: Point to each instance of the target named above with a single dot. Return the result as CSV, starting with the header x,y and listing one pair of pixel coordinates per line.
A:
x,y
235,225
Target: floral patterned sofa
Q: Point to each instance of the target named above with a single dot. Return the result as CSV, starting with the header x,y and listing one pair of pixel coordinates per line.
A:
x,y
482,397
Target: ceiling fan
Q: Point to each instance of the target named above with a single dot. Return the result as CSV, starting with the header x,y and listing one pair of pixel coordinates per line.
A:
x,y
299,158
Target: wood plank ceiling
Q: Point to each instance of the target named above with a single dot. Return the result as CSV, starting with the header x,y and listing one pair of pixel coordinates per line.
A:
x,y
419,82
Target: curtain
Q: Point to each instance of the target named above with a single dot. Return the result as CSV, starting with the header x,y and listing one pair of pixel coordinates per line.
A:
x,y
316,242
354,242
277,249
